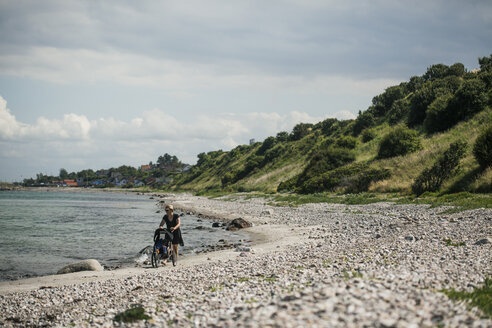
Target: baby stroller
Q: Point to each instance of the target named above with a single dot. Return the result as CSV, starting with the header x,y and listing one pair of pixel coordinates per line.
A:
x,y
163,248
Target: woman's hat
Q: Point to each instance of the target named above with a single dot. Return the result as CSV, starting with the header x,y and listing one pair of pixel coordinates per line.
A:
x,y
169,207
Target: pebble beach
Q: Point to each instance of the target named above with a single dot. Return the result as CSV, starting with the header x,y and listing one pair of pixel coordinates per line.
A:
x,y
315,265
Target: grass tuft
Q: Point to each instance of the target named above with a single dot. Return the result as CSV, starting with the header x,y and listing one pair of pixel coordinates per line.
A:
x,y
132,315
479,297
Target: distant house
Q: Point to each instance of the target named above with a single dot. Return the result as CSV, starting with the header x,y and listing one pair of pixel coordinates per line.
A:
x,y
70,183
145,167
139,183
251,141
121,182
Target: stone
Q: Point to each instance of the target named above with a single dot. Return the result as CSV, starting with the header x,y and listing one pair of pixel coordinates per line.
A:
x,y
237,224
484,241
86,265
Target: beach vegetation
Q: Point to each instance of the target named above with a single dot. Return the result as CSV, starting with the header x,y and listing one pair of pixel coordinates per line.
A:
x,y
271,278
135,313
431,179
251,300
243,279
480,297
449,242
399,142
482,149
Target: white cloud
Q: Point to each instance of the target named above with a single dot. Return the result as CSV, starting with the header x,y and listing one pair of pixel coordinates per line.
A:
x,y
74,142
345,115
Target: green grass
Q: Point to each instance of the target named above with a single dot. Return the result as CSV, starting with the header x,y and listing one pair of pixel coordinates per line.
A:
x,y
350,199
449,242
479,297
131,315
462,201
459,201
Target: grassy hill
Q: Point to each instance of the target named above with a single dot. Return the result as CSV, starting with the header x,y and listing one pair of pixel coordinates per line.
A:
x,y
407,129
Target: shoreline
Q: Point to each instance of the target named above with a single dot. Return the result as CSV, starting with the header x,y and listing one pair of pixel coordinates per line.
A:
x,y
264,244
336,265
259,240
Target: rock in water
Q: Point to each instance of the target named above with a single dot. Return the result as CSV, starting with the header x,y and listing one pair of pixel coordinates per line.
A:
x,y
238,223
86,265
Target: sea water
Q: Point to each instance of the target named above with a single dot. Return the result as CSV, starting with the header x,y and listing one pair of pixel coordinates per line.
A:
x,y
42,231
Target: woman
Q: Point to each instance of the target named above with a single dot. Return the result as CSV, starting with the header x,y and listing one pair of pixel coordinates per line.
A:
x,y
173,224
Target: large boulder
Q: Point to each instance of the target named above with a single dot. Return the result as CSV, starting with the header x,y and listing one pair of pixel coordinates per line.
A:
x,y
86,265
237,224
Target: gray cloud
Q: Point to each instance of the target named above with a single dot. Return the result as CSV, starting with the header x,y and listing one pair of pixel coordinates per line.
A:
x,y
357,38
281,62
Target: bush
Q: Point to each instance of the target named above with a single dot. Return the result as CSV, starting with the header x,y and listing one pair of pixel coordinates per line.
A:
x,y
399,142
228,178
274,153
346,142
355,178
267,144
419,102
368,135
438,116
363,121
482,150
383,102
328,126
398,111
326,160
282,136
470,98
446,166
361,181
288,185
300,131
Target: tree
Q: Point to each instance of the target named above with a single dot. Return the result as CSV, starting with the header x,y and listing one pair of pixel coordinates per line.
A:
x,y
414,84
328,126
363,121
63,174
267,144
437,71
282,136
203,159
300,131
457,69
384,101
470,98
398,111
485,63
419,102
438,117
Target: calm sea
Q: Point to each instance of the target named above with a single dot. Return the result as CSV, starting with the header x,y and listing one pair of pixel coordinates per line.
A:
x,y
41,232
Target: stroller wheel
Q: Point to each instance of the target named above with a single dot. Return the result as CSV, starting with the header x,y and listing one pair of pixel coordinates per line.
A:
x,y
155,261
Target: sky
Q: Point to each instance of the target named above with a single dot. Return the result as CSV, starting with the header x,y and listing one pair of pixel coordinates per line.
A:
x,y
100,84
